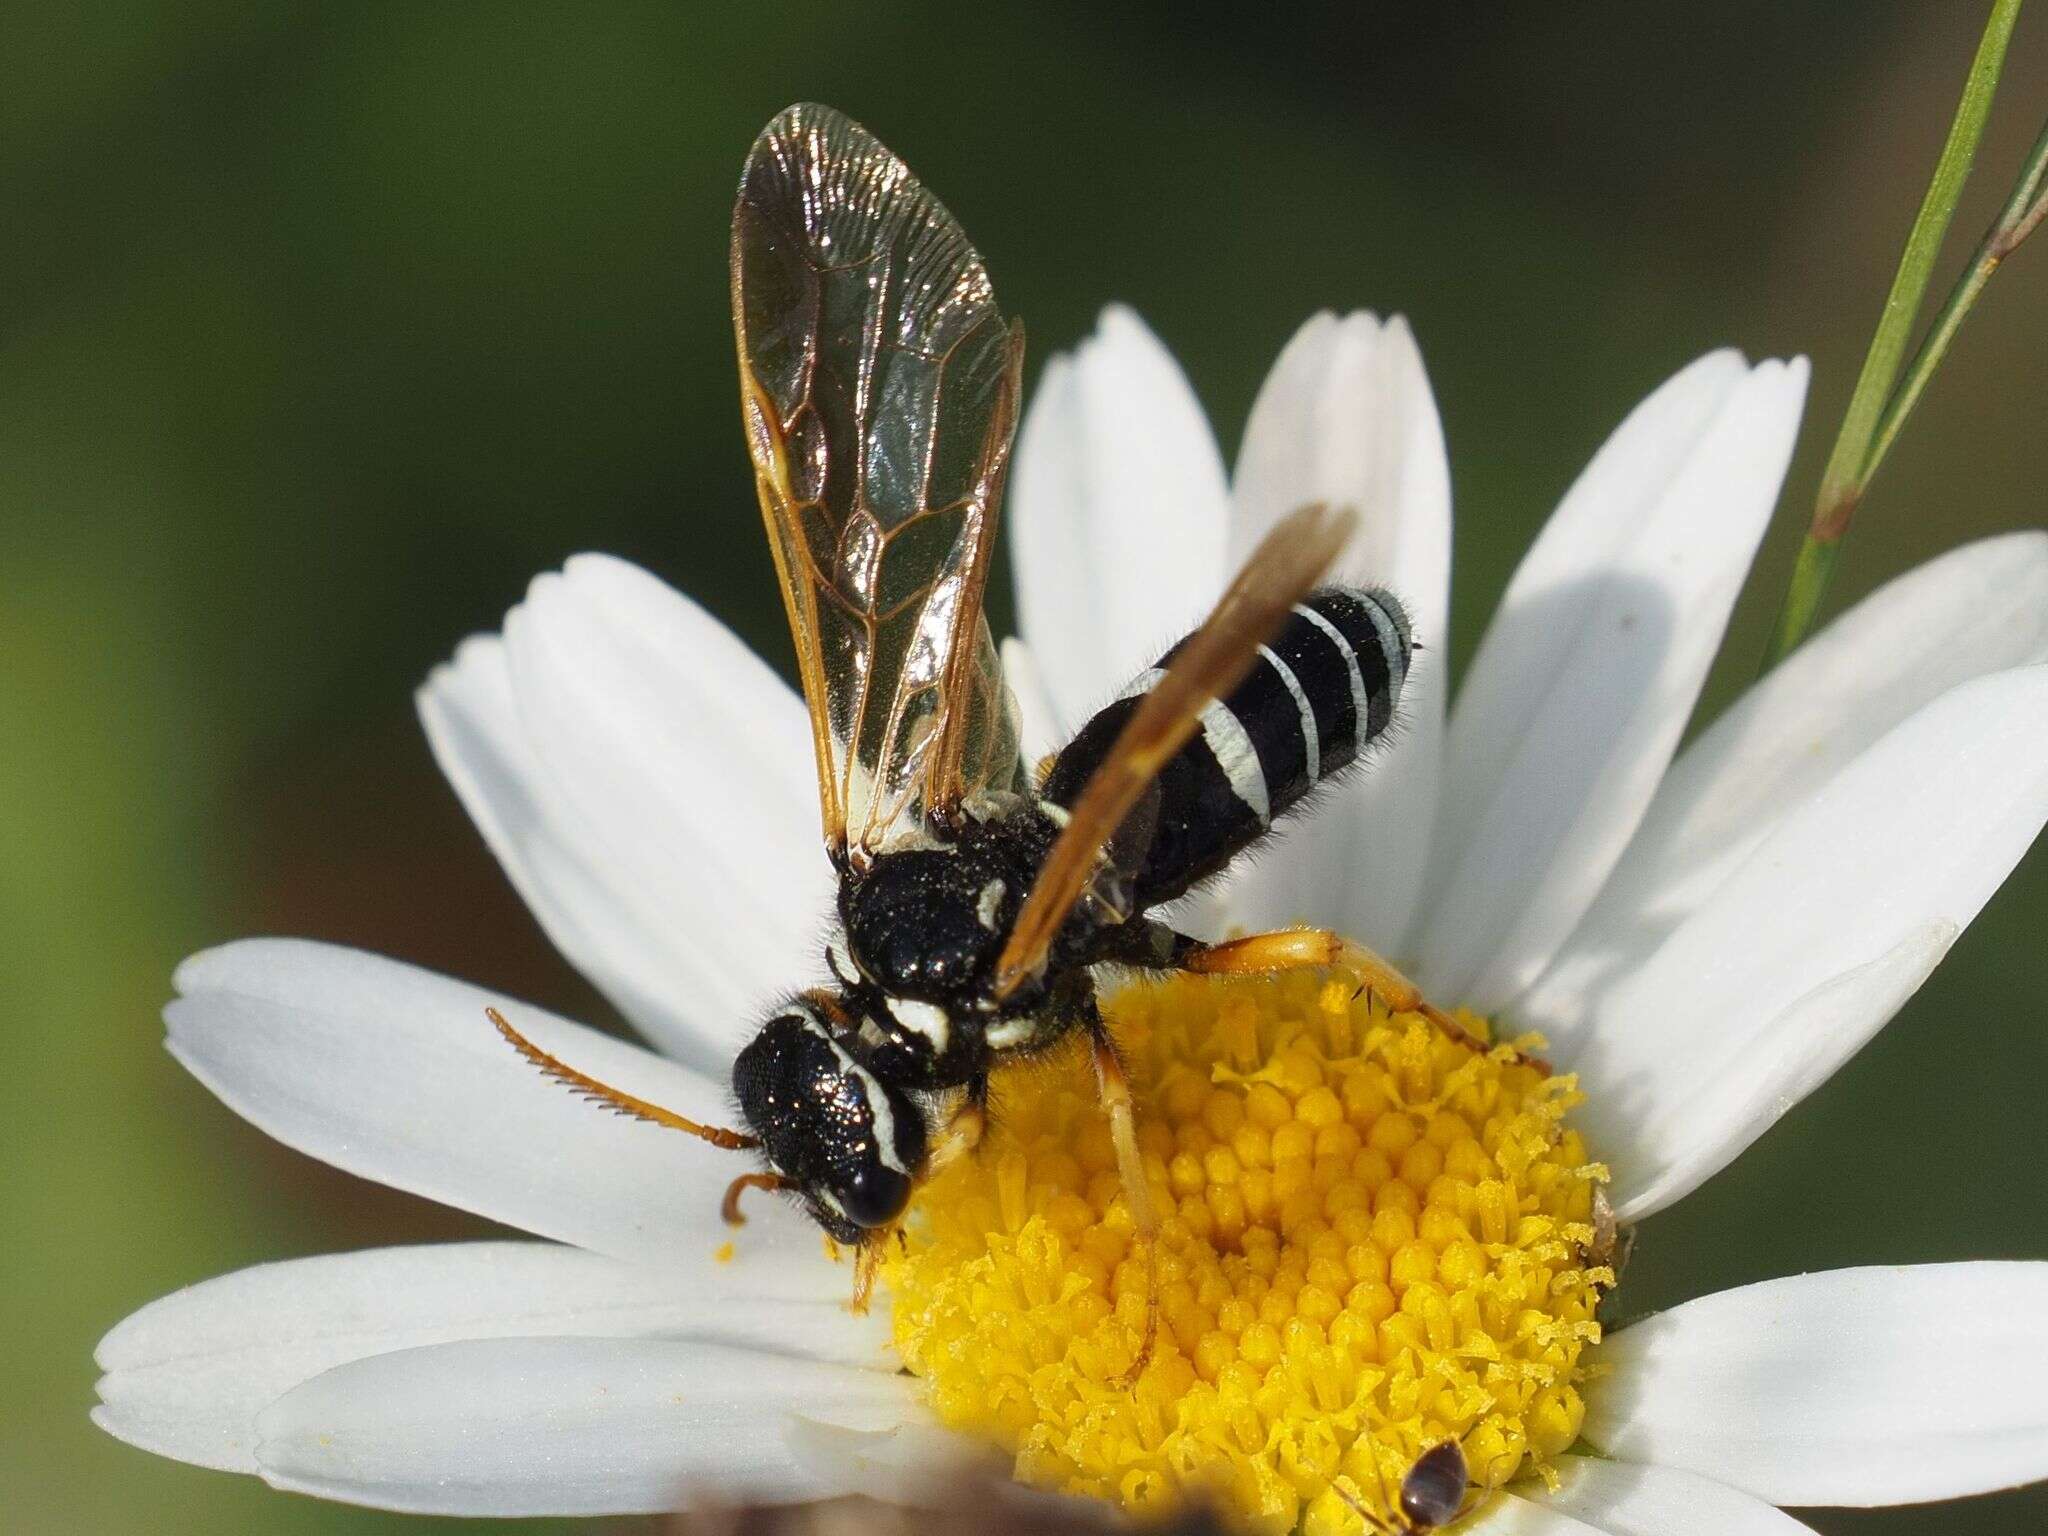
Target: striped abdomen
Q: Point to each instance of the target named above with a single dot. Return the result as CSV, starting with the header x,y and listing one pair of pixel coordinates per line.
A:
x,y
1326,685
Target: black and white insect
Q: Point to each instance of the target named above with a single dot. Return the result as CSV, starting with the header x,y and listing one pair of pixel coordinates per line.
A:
x,y
879,388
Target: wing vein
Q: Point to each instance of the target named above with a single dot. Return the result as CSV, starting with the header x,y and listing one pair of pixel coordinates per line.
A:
x,y
879,381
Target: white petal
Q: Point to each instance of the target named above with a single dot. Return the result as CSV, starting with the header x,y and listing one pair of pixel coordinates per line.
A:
x,y
394,1073
1347,417
565,1426
1508,1514
552,859
1589,670
692,765
1627,1498
1974,610
1038,723
611,785
1859,1386
1797,1050
1116,514
187,1375
909,1463
1811,944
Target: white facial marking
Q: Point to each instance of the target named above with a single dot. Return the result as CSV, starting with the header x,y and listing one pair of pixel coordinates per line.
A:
x,y
879,1112
885,1123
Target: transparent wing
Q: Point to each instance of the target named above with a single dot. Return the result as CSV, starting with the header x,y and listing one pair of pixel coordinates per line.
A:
x,y
879,387
1288,562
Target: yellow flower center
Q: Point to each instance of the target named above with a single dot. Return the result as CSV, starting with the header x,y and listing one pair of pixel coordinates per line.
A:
x,y
1373,1238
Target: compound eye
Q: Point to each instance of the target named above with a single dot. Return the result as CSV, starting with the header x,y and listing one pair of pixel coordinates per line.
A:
x,y
875,1196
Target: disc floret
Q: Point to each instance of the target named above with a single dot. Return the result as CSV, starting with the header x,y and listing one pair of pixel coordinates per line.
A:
x,y
1374,1239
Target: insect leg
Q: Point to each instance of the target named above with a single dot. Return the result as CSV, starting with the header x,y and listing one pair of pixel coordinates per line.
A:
x,y
1288,948
867,1268
1360,1508
729,1207
1147,945
1114,1086
964,1130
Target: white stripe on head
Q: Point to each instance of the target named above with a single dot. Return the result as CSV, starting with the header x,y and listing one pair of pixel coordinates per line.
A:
x,y
880,1113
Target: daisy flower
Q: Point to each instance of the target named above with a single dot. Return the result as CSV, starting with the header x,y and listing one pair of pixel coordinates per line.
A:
x,y
1376,1238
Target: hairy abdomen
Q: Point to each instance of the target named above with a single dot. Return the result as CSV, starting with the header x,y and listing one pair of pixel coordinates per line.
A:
x,y
1320,691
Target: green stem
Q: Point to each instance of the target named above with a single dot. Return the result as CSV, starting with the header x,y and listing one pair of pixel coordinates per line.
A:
x,y
1846,476
2019,218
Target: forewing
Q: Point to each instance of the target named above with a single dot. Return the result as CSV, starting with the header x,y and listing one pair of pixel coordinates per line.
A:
x,y
982,746
1288,562
879,386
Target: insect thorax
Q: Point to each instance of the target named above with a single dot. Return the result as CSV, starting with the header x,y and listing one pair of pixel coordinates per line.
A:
x,y
925,924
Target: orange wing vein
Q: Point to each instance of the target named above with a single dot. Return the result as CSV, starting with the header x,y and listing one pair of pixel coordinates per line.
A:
x,y
879,388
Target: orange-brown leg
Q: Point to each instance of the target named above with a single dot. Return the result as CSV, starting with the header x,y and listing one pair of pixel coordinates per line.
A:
x,y
1365,1512
1286,949
963,1130
867,1265
1289,948
962,1135
729,1207
1113,1085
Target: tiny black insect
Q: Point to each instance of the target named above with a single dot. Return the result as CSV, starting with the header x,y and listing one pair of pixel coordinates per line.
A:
x,y
879,390
1432,1493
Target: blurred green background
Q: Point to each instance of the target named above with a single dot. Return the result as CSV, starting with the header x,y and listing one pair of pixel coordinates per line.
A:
x,y
323,329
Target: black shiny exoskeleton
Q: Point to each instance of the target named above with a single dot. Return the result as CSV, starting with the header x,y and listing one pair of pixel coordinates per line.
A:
x,y
850,1087
879,395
